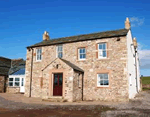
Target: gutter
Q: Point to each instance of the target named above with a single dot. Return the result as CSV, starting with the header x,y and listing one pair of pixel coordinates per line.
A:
x,y
31,73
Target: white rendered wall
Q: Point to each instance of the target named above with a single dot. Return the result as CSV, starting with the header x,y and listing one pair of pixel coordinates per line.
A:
x,y
131,66
138,71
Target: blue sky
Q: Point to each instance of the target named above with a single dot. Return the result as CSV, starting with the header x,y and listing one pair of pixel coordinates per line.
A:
x,y
22,23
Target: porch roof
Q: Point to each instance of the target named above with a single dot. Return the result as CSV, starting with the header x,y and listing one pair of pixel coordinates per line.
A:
x,y
76,68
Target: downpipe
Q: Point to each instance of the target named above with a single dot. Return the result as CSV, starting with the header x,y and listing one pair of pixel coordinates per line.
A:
x,y
31,73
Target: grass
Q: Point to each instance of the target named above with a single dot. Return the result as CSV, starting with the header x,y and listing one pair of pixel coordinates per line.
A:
x,y
145,89
145,80
146,83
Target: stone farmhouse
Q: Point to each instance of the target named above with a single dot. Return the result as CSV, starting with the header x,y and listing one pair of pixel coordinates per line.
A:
x,y
97,66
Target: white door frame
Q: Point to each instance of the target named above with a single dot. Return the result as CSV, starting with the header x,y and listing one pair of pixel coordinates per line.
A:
x,y
22,88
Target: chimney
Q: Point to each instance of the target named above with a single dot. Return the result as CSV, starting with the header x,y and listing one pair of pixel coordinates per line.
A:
x,y
127,24
46,36
134,42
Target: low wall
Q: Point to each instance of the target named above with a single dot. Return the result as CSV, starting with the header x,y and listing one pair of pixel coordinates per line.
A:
x,y
13,90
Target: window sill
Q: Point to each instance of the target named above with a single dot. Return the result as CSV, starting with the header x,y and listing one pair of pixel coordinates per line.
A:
x,y
81,59
103,86
103,58
13,86
38,61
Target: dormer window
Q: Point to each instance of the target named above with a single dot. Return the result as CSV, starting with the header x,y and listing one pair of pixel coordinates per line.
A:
x,y
59,51
38,54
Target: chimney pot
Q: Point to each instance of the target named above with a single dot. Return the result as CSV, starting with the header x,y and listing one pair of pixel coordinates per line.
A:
x,y
46,36
127,24
134,42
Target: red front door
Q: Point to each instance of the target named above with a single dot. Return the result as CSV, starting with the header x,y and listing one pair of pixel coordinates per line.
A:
x,y
57,84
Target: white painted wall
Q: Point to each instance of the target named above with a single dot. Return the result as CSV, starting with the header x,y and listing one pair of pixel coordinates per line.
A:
x,y
132,67
138,71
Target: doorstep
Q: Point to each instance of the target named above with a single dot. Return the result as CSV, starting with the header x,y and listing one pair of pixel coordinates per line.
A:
x,y
55,99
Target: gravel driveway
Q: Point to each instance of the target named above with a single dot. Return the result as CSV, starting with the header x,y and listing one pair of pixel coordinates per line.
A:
x,y
138,107
11,105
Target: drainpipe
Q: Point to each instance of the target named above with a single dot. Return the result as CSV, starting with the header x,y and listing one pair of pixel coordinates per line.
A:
x,y
31,73
136,70
82,84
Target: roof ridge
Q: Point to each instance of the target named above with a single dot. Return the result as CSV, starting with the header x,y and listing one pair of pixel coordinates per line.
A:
x,y
5,57
82,37
88,34
17,59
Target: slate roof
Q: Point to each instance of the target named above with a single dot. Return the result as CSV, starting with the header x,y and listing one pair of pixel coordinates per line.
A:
x,y
19,72
17,64
99,35
72,65
9,66
5,65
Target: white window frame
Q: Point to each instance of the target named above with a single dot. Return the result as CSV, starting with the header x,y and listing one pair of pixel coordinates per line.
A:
x,y
82,53
11,82
101,50
22,82
16,76
14,82
38,54
98,80
57,52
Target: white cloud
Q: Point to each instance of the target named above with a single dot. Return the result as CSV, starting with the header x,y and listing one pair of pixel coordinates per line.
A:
x,y
144,56
135,21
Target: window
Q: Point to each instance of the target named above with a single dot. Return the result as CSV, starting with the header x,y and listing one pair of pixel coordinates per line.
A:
x,y
22,82
102,80
14,82
17,82
10,81
59,51
39,54
102,53
82,53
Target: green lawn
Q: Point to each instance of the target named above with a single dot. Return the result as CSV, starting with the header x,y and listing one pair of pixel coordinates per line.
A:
x,y
145,80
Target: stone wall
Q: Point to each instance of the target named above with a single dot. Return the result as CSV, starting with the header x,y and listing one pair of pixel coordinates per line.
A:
x,y
77,86
2,82
13,90
115,64
28,72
